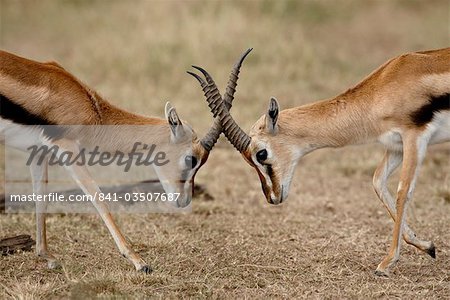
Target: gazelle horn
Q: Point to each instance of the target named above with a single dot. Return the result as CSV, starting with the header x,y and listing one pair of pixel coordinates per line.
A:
x,y
220,108
210,139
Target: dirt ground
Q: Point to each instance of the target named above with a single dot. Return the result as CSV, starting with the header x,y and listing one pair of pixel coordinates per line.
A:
x,y
326,240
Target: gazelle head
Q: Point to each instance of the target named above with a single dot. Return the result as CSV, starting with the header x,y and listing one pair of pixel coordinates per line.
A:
x,y
191,152
183,156
266,148
271,152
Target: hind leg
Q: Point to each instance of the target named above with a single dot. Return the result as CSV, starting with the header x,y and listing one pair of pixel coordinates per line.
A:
x,y
391,161
414,148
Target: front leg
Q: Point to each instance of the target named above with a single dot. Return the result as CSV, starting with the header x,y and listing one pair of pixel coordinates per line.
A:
x,y
84,180
39,177
414,147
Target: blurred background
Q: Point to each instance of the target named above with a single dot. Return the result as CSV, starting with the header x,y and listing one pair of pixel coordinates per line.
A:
x,y
136,53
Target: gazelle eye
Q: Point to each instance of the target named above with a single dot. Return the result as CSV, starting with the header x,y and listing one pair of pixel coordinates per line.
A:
x,y
190,161
261,155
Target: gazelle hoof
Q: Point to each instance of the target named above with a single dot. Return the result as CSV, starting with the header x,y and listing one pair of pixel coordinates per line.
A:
x,y
382,274
53,264
146,269
432,251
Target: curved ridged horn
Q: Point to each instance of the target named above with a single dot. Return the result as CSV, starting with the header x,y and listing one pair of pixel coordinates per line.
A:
x,y
211,92
210,139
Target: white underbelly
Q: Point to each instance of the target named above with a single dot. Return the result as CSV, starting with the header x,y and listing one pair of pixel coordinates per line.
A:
x,y
437,131
441,128
392,140
19,136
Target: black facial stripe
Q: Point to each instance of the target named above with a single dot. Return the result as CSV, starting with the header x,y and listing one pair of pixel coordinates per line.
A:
x,y
269,171
271,175
425,114
185,175
190,161
19,115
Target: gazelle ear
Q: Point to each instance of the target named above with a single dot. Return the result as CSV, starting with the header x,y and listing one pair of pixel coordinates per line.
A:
x,y
272,116
176,127
167,109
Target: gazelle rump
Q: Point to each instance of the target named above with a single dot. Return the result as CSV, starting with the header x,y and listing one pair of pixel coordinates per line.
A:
x,y
404,104
36,94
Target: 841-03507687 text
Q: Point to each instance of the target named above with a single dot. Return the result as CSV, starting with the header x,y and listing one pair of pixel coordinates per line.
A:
x,y
107,197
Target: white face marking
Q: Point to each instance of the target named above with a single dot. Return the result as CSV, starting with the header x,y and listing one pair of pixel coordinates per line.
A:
x,y
400,185
260,146
286,182
177,178
285,178
182,165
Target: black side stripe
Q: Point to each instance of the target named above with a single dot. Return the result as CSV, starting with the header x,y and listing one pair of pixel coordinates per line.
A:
x,y
425,114
17,114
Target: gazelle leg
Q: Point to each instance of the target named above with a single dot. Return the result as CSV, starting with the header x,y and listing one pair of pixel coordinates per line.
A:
x,y
391,161
413,153
39,176
84,180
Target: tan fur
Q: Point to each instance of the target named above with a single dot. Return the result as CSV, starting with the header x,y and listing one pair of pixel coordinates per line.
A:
x,y
59,94
377,108
382,101
48,91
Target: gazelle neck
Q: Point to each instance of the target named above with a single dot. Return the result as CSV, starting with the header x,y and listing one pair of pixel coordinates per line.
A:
x,y
120,129
337,122
128,127
113,115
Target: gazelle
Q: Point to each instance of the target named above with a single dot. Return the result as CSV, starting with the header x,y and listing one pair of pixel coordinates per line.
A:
x,y
404,105
34,93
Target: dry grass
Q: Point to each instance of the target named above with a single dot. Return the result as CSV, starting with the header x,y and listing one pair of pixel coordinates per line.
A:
x,y
326,240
